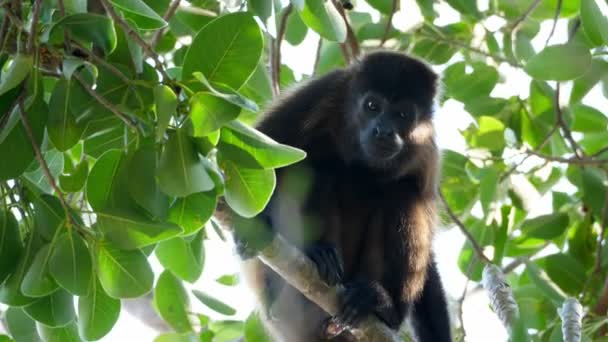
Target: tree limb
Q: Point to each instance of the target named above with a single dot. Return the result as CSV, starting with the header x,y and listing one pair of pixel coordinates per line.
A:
x,y
275,53
167,17
351,40
476,247
387,27
297,270
576,161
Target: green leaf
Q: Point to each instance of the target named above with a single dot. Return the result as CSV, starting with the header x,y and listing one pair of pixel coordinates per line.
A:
x,y
38,281
75,181
143,16
469,86
545,227
97,313
183,258
323,18
68,333
177,337
20,325
166,105
466,7
10,290
549,290
193,211
71,264
228,93
296,30
384,6
124,274
247,190
488,187
594,22
15,144
588,119
490,134
55,310
254,329
172,303
180,171
559,62
594,190
130,230
209,113
10,244
104,187
54,160
585,83
19,69
214,304
142,182
252,149
63,129
88,28
565,271
237,47
228,279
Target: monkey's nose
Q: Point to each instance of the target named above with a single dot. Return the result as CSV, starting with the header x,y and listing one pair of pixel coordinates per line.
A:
x,y
383,132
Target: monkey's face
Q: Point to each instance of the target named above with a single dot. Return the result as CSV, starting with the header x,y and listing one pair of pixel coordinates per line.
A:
x,y
384,126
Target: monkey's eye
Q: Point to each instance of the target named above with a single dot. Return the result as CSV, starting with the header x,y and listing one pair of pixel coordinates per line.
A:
x,y
372,105
402,115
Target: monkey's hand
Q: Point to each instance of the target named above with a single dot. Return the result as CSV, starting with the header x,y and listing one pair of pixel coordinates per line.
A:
x,y
359,299
328,261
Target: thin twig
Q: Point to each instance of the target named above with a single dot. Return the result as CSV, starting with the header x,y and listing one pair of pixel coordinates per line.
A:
x,y
98,60
66,33
522,18
520,261
171,10
137,38
558,10
106,104
351,39
33,27
466,46
43,165
562,123
575,161
317,55
600,244
276,51
476,247
13,18
600,152
389,23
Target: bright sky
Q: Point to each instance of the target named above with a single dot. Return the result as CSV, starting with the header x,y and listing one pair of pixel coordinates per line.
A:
x,y
480,323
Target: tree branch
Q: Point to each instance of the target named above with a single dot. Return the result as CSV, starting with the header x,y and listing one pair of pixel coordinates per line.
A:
x,y
34,27
351,39
522,18
562,123
476,247
43,165
137,38
275,53
106,104
387,27
558,10
167,17
302,274
576,161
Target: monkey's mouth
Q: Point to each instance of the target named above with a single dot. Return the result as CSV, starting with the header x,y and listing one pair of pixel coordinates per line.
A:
x,y
382,151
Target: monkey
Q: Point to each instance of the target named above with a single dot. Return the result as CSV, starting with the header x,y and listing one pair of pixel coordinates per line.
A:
x,y
361,205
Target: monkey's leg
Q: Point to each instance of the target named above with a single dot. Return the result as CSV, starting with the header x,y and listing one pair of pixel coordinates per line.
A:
x,y
328,261
430,318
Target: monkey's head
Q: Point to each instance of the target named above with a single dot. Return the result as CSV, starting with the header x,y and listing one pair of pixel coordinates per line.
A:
x,y
389,107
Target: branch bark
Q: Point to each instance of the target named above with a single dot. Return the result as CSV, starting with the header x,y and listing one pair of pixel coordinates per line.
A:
x,y
301,273
275,53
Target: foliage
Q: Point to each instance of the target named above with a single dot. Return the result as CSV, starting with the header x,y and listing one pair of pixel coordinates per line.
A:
x,y
122,122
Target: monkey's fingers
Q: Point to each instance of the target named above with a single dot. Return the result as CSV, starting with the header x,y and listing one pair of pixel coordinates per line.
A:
x,y
327,261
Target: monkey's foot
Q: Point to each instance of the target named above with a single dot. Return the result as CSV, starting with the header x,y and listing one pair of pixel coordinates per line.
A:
x,y
357,300
328,261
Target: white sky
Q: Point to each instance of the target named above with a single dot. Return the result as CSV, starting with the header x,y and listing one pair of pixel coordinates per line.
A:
x,y
480,323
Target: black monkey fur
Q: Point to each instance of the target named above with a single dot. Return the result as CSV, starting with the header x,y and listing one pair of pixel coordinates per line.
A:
x,y
362,204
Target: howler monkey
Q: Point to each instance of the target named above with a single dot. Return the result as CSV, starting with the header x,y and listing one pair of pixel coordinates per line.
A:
x,y
362,204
